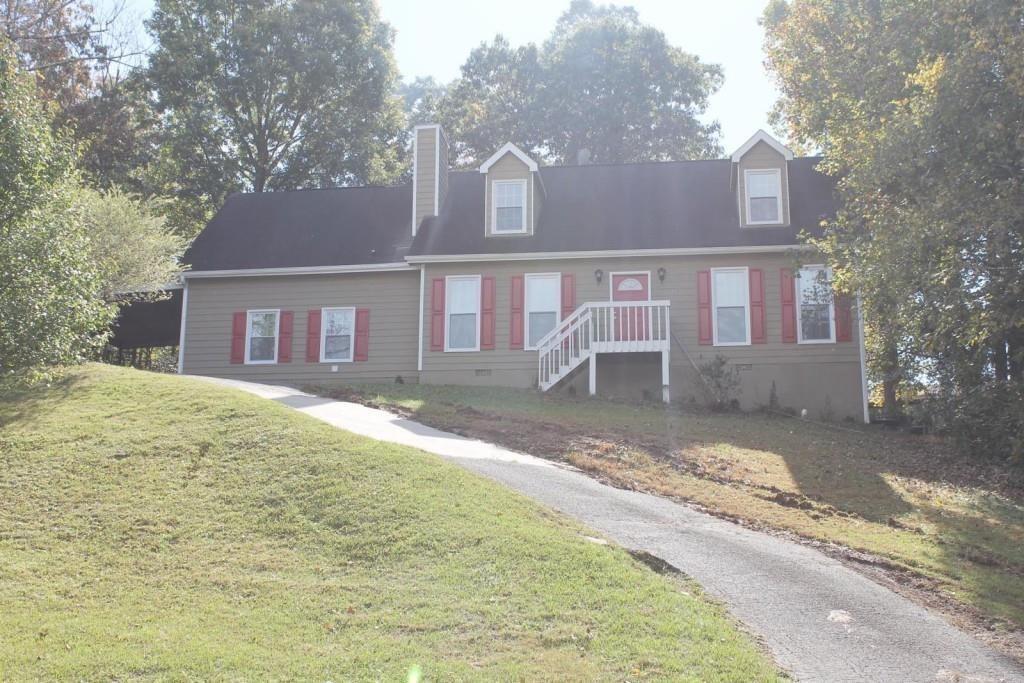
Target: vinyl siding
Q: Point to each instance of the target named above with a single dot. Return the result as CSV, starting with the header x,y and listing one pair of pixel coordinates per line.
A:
x,y
391,297
761,157
426,172
804,373
509,167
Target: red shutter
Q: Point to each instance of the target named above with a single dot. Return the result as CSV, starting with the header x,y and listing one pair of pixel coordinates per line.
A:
x,y
487,291
284,338
313,336
238,337
362,350
844,318
568,294
787,293
758,334
437,315
704,307
515,337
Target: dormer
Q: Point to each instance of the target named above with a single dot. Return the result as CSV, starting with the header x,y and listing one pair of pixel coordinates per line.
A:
x,y
762,181
513,193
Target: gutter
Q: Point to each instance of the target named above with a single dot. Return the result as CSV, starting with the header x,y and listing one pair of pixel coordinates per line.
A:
x,y
609,253
301,270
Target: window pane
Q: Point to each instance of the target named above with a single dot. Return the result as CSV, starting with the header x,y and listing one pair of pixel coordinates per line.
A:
x,y
508,218
732,324
508,194
731,288
337,322
261,348
463,296
815,322
814,286
763,184
764,209
540,324
263,324
337,347
462,331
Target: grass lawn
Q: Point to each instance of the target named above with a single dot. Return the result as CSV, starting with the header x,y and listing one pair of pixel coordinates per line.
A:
x,y
158,527
951,530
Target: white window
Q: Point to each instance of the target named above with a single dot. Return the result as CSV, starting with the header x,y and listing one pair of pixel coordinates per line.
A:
x,y
543,305
261,329
462,307
730,306
337,327
764,196
508,199
814,306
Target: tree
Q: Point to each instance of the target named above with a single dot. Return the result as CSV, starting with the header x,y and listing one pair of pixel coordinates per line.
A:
x,y
51,308
128,242
274,94
63,42
918,107
602,82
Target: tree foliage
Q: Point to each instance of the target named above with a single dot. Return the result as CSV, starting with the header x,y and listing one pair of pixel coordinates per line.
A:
x,y
51,307
918,106
128,241
274,94
602,82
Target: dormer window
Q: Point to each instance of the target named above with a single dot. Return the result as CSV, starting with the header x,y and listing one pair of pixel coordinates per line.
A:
x,y
508,199
764,196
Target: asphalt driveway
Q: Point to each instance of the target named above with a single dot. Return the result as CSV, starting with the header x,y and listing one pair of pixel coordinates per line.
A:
x,y
821,620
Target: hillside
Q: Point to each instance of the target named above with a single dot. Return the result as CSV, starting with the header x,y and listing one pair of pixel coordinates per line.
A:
x,y
155,526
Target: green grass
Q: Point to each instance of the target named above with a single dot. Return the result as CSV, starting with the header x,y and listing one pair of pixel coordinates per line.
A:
x,y
956,526
156,527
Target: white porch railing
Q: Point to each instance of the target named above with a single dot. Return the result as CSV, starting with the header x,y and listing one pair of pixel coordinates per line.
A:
x,y
602,327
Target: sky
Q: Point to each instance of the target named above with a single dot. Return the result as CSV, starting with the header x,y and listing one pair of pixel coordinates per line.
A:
x,y
434,37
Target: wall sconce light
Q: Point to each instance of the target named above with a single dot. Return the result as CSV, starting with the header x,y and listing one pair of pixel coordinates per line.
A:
x,y
661,274
598,275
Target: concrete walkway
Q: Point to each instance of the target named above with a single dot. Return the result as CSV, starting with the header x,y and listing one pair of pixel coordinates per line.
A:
x,y
821,620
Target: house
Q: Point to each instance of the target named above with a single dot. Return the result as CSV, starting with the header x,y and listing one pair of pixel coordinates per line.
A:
x,y
619,279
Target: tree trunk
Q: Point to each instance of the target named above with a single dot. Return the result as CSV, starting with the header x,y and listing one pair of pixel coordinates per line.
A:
x,y
890,382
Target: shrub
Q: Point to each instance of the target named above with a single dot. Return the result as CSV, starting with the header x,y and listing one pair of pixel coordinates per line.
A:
x,y
722,381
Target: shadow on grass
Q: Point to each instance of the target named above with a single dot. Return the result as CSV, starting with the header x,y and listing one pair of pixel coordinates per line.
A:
x,y
827,472
22,401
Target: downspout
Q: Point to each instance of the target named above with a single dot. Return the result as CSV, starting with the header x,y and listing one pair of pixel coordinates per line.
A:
x,y
181,333
863,362
419,333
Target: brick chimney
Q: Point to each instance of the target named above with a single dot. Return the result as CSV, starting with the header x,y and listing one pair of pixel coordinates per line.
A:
x,y
429,172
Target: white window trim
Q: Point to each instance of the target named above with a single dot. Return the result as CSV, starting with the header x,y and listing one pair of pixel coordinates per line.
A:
x,y
494,207
746,191
611,282
831,309
526,308
248,334
714,305
447,324
323,335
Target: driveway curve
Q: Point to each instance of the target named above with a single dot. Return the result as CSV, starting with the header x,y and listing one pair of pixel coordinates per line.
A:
x,y
821,620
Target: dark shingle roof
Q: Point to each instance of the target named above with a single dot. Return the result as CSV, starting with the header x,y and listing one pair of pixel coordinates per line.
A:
x,y
688,204
335,227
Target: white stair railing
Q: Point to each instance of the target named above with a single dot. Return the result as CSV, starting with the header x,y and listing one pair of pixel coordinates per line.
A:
x,y
601,327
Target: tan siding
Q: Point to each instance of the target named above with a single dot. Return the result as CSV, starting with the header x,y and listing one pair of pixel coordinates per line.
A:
x,y
443,170
508,167
762,156
804,373
391,297
426,172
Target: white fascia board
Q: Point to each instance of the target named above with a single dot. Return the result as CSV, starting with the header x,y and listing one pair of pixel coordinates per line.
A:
x,y
761,136
614,253
509,148
302,270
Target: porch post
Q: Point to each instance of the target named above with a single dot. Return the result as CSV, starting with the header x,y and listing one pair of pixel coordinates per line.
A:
x,y
665,395
592,371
